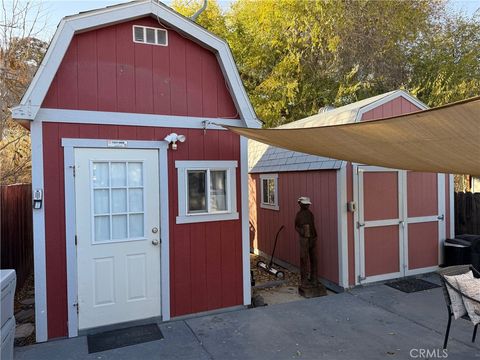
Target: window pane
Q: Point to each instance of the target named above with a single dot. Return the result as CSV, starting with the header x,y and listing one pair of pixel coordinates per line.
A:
x,y
100,201
218,191
271,191
265,191
161,37
135,174
119,227
119,177
138,33
135,198
102,228
136,226
196,191
119,200
150,36
100,174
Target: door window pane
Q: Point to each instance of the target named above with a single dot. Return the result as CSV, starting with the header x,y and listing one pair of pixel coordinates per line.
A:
x,y
100,174
265,190
119,200
218,191
271,191
102,228
100,201
135,198
135,174
119,227
196,191
119,177
136,226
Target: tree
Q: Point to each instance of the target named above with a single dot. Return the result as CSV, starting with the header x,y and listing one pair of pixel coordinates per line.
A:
x,y
20,54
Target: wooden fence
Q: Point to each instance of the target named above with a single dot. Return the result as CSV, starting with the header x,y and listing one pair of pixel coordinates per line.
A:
x,y
16,231
467,213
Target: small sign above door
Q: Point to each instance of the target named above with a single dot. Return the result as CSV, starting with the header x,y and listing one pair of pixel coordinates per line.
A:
x,y
117,143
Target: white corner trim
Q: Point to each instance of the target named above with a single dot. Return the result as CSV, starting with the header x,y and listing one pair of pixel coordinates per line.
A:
x,y
451,190
38,88
265,205
133,119
342,225
69,161
442,224
384,100
247,289
41,320
356,231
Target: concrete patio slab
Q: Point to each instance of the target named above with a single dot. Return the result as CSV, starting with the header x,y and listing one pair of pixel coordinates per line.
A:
x,y
372,322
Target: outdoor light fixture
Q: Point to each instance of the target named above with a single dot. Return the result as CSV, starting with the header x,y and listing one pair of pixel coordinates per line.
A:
x,y
173,138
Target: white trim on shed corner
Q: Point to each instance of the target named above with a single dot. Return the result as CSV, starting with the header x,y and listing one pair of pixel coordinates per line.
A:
x,y
36,92
451,214
132,119
247,289
39,264
342,225
384,100
69,164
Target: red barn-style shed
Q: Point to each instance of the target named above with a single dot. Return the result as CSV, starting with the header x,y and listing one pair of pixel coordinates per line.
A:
x,y
141,207
373,223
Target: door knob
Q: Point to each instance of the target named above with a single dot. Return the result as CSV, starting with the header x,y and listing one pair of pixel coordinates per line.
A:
x,y
154,230
155,242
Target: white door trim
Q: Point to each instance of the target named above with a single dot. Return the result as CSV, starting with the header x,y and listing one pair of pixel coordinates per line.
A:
x,y
358,183
69,164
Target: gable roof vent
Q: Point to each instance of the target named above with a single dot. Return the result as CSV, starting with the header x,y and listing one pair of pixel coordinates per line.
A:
x,y
150,35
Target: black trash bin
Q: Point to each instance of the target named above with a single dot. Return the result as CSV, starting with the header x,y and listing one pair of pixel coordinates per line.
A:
x,y
457,252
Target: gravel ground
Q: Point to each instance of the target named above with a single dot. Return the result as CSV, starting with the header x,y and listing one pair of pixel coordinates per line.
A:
x,y
26,292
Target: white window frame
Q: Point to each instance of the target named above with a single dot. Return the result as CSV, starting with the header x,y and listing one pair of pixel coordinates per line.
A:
x,y
145,35
231,191
110,213
264,205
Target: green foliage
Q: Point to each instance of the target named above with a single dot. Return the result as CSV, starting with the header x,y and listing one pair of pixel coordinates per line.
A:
x,y
295,56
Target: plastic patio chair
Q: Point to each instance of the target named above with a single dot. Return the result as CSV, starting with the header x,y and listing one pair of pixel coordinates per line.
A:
x,y
452,271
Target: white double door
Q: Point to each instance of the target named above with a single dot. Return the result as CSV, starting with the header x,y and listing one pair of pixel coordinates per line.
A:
x,y
401,222
118,235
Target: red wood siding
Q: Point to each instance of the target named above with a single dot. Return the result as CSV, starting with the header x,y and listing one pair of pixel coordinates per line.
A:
x,y
321,187
380,195
104,70
422,194
205,259
381,250
398,106
422,245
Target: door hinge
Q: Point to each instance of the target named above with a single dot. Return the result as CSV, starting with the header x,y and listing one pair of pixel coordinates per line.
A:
x,y
73,169
361,278
359,225
77,306
75,240
441,217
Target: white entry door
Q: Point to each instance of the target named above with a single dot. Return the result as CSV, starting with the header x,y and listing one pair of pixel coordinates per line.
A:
x,y
381,223
118,243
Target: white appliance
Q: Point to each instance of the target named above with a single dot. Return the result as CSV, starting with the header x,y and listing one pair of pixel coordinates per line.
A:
x,y
8,281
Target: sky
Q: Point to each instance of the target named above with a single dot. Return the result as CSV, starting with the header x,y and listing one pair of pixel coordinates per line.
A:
x,y
57,9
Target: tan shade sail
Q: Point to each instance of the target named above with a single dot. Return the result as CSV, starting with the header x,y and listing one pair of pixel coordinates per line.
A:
x,y
444,139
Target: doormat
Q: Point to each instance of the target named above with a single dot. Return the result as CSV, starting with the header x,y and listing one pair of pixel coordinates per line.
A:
x,y
412,285
123,337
